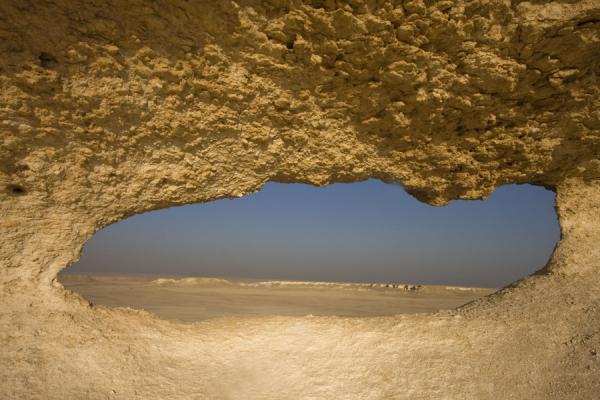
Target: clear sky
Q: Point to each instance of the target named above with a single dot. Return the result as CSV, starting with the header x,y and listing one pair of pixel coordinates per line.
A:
x,y
360,232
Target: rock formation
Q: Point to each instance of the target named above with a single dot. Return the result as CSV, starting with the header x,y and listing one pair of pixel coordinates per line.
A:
x,y
110,108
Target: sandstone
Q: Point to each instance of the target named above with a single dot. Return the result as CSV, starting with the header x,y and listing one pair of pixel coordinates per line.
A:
x,y
110,109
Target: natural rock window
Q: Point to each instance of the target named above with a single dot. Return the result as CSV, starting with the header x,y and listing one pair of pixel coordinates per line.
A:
x,y
118,108
363,249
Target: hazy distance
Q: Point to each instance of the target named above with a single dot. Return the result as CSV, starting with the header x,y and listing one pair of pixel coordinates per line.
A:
x,y
360,232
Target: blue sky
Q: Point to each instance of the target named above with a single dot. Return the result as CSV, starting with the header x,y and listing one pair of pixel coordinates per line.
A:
x,y
361,232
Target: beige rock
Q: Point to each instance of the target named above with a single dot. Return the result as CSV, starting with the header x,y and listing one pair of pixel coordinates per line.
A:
x,y
108,109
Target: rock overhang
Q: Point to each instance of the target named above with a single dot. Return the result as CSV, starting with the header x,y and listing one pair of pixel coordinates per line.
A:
x,y
110,110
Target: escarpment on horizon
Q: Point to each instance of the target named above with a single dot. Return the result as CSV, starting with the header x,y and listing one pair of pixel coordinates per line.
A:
x,y
112,108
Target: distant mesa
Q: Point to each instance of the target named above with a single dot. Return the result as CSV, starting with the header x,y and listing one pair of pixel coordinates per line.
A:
x,y
190,282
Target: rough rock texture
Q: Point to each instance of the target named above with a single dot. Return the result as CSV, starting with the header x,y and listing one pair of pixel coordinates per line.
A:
x,y
111,108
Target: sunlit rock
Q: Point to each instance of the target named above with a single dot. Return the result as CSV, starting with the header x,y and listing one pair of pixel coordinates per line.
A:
x,y
109,108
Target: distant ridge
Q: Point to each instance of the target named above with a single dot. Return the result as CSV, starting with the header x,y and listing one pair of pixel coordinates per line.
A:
x,y
282,284
207,282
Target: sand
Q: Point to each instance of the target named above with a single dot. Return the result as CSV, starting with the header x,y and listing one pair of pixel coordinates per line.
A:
x,y
196,299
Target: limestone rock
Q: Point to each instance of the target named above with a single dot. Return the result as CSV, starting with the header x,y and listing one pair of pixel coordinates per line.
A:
x,y
108,109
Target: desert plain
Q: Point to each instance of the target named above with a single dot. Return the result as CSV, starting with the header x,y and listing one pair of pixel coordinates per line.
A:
x,y
200,298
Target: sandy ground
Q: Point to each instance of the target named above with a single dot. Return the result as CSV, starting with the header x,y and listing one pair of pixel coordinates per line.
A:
x,y
195,299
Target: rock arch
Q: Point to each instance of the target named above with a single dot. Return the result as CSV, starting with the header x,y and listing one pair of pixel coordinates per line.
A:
x,y
109,110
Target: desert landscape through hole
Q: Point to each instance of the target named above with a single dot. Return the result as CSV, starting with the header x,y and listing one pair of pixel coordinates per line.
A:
x,y
421,259
112,109
196,299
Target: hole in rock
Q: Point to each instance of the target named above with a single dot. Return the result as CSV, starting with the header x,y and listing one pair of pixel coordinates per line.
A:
x,y
362,249
16,189
47,60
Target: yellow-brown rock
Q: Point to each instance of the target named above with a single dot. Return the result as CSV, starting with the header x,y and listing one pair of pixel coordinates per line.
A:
x,y
111,108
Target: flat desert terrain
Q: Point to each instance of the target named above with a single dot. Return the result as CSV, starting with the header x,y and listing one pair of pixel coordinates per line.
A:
x,y
196,299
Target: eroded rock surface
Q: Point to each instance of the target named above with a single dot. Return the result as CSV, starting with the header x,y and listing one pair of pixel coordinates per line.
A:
x,y
112,108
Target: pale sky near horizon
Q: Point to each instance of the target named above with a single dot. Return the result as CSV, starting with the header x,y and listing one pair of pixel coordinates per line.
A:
x,y
361,232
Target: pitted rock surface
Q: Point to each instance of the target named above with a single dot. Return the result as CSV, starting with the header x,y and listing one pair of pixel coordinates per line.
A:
x,y
109,109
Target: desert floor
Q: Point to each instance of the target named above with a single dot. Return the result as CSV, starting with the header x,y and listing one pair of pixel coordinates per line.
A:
x,y
195,299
